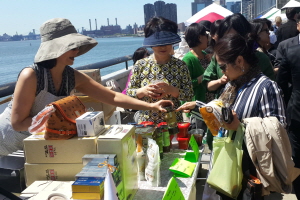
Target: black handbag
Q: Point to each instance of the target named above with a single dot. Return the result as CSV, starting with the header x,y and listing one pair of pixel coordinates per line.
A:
x,y
253,190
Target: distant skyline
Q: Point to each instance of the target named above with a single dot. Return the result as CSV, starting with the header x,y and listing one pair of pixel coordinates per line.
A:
x,y
23,16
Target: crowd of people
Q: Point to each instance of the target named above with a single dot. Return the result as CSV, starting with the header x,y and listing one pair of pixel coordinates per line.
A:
x,y
250,65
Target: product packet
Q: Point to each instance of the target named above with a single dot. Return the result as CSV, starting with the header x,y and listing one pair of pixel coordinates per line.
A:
x,y
152,171
212,115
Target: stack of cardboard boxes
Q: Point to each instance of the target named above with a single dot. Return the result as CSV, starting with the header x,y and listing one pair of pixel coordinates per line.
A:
x,y
57,160
61,160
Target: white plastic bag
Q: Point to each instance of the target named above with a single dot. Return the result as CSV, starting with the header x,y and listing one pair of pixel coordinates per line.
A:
x,y
38,121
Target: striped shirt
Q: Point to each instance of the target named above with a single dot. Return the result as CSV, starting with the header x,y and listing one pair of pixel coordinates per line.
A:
x,y
261,97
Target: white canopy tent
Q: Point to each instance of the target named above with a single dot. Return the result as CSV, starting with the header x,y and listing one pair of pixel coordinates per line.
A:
x,y
291,4
270,13
210,13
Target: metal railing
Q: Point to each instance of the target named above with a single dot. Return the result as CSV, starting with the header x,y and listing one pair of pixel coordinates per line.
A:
x,y
8,88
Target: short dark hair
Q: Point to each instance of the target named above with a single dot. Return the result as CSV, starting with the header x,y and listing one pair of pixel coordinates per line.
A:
x,y
290,13
48,64
257,26
192,34
206,24
231,46
139,54
298,19
215,26
236,21
157,24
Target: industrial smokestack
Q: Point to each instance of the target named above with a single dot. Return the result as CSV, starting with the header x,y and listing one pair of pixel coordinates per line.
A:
x,y
90,25
96,23
116,22
107,22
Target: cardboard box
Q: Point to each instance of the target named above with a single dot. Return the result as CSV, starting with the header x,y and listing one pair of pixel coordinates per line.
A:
x,y
94,159
114,119
50,186
95,105
86,195
90,124
93,73
39,150
54,172
12,173
123,144
88,185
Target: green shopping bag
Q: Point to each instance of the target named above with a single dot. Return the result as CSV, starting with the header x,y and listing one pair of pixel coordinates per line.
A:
x,y
226,174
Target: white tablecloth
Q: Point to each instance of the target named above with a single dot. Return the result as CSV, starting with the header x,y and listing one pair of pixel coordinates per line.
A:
x,y
187,185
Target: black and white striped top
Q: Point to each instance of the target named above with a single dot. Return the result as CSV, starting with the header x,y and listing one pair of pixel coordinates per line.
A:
x,y
261,97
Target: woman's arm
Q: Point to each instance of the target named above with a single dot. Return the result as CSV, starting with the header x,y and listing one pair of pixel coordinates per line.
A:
x,y
88,86
215,84
24,96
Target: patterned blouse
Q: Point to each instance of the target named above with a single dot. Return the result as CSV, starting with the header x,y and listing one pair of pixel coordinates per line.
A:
x,y
175,73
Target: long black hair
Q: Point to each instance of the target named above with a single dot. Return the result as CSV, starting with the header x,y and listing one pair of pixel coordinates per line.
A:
x,y
48,64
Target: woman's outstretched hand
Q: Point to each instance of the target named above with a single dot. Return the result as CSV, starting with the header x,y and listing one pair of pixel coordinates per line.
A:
x,y
158,106
187,107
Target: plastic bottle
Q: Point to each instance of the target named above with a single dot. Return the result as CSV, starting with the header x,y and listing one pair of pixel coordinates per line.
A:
x,y
205,145
159,141
166,138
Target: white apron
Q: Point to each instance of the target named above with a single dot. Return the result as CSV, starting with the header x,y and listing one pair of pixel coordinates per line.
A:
x,y
11,140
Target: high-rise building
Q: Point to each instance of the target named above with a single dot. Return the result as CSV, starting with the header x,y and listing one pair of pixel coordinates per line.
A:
x,y
229,4
160,9
169,12
148,12
198,5
236,7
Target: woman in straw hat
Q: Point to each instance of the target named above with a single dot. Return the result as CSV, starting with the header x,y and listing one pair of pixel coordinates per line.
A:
x,y
51,78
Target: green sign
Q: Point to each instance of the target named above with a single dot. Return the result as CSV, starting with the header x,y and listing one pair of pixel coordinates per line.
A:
x,y
194,155
173,191
182,168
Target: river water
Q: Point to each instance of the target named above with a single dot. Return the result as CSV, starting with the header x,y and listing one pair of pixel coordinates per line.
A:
x,y
16,55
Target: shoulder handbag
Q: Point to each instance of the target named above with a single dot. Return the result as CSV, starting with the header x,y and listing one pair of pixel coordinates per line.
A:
x,y
61,124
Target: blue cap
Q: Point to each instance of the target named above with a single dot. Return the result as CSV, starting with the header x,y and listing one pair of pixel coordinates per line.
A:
x,y
161,38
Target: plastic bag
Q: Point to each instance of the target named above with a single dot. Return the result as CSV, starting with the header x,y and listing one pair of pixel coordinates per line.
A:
x,y
152,171
226,175
39,121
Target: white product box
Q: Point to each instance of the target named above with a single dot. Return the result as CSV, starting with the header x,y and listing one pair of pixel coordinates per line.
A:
x,y
120,140
114,119
54,172
39,150
90,123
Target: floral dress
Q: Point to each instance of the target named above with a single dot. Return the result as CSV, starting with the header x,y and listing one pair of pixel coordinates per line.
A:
x,y
175,73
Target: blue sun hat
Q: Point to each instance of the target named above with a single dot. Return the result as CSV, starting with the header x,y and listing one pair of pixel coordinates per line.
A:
x,y
161,38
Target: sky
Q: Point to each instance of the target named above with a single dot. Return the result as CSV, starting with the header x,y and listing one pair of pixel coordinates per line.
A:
x,y
22,16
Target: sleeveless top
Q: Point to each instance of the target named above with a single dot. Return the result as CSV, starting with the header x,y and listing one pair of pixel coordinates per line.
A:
x,y
11,140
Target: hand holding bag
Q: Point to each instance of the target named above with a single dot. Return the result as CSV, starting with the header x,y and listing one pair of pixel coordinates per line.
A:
x,y
58,119
226,174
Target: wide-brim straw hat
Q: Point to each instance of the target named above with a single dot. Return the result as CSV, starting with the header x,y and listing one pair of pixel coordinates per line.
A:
x,y
161,38
58,36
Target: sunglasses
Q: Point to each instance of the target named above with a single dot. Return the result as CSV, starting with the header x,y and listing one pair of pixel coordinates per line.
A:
x,y
223,67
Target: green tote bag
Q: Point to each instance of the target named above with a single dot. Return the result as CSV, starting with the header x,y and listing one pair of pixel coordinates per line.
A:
x,y
226,174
